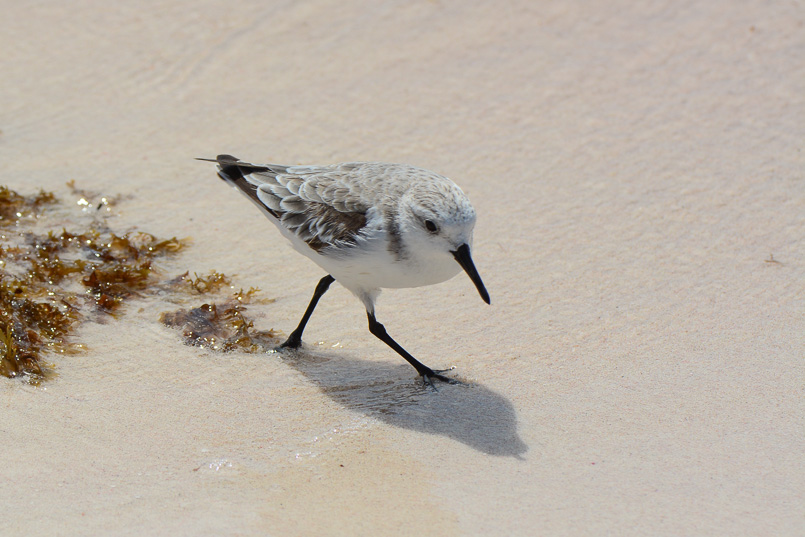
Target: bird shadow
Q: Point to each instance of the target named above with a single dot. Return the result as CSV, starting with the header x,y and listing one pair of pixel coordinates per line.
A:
x,y
468,412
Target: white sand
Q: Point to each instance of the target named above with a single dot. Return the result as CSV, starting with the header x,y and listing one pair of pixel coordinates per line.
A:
x,y
633,164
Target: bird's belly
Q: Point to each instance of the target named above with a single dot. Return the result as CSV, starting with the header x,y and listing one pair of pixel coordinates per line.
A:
x,y
406,273
376,269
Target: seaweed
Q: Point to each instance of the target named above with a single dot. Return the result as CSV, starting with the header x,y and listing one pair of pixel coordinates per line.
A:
x,y
48,281
51,281
27,326
211,283
219,326
14,206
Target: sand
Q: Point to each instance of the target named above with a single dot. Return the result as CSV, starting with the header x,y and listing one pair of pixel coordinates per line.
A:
x,y
634,166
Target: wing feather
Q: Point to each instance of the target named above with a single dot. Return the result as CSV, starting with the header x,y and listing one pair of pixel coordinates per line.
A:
x,y
318,204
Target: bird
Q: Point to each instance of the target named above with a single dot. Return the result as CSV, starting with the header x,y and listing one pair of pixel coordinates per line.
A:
x,y
369,226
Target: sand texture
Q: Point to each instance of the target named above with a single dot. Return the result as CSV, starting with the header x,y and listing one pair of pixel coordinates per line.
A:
x,y
638,173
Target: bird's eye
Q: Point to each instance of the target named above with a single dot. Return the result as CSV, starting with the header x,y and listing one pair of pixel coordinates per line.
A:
x,y
430,226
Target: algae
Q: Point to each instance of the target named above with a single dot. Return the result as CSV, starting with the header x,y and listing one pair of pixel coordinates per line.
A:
x,y
221,326
52,280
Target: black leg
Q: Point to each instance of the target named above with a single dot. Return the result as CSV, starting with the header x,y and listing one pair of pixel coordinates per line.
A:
x,y
295,339
428,374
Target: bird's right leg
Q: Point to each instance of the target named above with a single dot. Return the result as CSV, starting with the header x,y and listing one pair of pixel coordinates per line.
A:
x,y
295,339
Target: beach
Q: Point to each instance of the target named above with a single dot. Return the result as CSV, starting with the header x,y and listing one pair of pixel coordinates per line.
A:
x,y
638,176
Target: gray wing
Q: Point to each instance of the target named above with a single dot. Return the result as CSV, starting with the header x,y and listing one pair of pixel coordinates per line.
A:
x,y
317,204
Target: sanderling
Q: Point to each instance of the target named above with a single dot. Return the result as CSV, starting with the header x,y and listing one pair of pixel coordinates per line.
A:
x,y
369,225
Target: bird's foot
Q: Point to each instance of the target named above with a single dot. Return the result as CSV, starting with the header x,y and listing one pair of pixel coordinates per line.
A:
x,y
293,342
430,375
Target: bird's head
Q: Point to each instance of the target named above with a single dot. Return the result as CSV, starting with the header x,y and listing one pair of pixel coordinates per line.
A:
x,y
439,220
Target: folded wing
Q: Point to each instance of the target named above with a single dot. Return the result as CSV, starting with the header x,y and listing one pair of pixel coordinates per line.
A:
x,y
314,203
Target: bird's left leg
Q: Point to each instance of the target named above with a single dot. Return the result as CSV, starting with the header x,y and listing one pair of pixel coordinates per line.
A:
x,y
428,374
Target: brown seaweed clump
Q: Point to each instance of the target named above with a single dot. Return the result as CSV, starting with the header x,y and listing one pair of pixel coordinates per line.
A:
x,y
219,326
52,280
30,323
48,281
213,282
111,267
14,206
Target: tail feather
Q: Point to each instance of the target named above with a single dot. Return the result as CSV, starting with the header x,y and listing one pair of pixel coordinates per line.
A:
x,y
233,171
231,168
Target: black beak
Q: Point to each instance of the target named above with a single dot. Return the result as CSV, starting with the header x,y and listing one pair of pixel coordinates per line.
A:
x,y
464,259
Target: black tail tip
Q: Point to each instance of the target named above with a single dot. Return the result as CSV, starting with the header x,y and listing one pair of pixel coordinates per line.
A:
x,y
221,159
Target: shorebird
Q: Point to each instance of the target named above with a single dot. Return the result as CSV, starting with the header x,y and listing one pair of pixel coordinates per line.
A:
x,y
369,225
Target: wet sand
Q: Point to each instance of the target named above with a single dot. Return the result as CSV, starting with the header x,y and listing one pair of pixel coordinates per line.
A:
x,y
634,167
